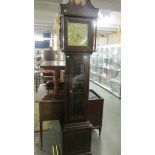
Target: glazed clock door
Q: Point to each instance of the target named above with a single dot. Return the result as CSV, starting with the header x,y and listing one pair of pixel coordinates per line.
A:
x,y
78,87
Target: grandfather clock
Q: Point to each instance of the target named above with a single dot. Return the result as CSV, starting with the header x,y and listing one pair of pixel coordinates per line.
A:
x,y
77,41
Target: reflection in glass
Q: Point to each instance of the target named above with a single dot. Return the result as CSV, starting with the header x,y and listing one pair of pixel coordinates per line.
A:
x,y
77,105
78,89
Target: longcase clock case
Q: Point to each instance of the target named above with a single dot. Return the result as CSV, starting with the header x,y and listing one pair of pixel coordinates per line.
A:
x,y
77,41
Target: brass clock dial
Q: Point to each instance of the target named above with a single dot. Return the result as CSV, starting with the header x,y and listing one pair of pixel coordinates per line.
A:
x,y
77,34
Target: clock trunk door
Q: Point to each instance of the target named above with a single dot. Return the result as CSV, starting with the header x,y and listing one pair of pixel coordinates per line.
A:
x,y
78,87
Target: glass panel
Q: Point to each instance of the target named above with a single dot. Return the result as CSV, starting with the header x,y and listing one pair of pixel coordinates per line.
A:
x,y
78,105
78,89
78,78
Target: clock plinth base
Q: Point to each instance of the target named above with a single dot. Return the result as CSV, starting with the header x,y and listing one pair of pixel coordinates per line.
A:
x,y
76,138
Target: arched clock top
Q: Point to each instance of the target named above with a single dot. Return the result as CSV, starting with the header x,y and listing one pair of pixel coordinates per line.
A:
x,y
79,8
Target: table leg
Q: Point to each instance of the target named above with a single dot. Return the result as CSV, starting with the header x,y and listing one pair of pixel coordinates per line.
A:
x,y
56,82
100,131
41,124
41,136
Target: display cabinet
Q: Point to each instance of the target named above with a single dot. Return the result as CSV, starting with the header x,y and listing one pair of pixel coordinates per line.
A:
x,y
105,68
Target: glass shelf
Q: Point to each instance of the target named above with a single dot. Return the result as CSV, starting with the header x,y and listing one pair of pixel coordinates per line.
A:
x,y
105,68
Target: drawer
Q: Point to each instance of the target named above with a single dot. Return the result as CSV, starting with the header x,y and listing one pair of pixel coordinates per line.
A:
x,y
51,111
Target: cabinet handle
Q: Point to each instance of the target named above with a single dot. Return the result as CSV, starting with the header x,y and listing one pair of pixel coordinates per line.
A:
x,y
70,91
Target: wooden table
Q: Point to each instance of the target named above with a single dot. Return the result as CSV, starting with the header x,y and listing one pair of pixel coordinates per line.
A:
x,y
54,65
51,105
95,110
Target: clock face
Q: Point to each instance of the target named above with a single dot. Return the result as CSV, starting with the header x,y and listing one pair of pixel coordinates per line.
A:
x,y
77,34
